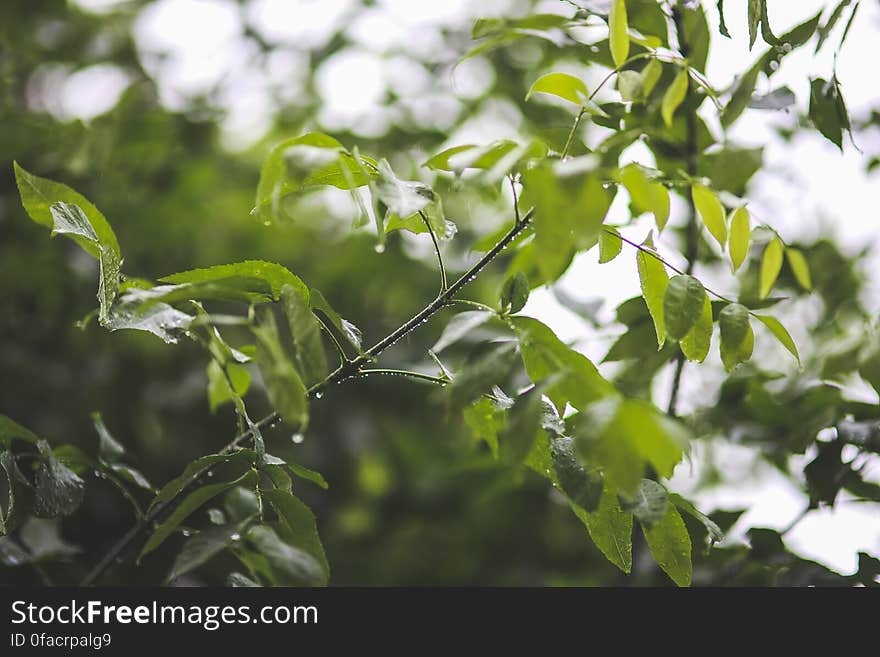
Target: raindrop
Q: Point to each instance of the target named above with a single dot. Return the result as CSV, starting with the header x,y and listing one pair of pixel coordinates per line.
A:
x,y
319,394
594,48
297,438
186,532
209,475
235,537
786,47
774,65
267,223
380,248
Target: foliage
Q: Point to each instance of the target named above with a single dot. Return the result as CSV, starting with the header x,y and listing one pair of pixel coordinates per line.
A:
x,y
266,338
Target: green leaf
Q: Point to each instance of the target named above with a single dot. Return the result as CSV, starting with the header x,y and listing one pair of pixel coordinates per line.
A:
x,y
683,303
310,475
618,36
654,280
19,494
646,195
755,7
219,391
252,277
670,546
561,85
771,264
311,160
781,334
610,528
799,267
712,529
242,457
459,326
109,448
583,487
284,564
722,26
200,548
484,421
10,430
737,337
514,293
298,527
308,350
138,310
624,436
711,212
189,505
649,503
828,110
545,355
610,244
674,96
827,28
39,194
740,237
399,198
695,345
286,390
570,206
71,221
349,332
481,373
58,490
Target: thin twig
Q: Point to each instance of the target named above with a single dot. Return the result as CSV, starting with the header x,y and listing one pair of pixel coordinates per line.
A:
x,y
442,381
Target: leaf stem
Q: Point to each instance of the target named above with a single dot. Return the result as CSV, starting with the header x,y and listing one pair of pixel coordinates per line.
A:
x,y
436,250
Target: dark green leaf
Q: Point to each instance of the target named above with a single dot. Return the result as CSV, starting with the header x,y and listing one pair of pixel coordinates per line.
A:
x,y
58,490
109,448
298,527
243,458
285,564
514,293
200,548
683,304
189,505
610,528
737,338
670,546
648,504
286,389
583,487
459,326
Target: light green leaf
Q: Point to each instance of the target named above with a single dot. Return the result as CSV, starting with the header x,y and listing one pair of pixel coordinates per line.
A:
x,y
189,505
459,326
618,36
545,355
670,546
308,350
771,264
740,237
674,96
781,334
799,267
309,475
654,280
610,528
695,345
624,436
298,527
683,303
651,75
646,195
283,383
256,277
310,160
711,212
737,337
401,198
514,293
219,391
610,244
561,85
481,373
484,421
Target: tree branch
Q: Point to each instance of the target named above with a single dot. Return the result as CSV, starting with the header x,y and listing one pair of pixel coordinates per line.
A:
x,y
348,369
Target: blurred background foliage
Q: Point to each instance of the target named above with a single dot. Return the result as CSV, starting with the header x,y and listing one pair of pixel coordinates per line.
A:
x,y
173,164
